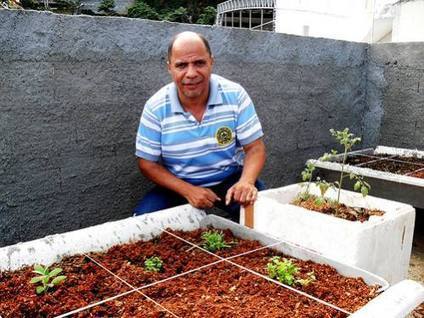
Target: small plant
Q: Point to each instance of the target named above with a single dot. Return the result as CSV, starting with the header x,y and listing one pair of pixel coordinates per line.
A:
x,y
310,278
323,187
284,271
46,278
153,264
107,6
307,174
347,140
214,241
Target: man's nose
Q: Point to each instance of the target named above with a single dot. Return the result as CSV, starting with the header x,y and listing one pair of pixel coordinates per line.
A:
x,y
191,71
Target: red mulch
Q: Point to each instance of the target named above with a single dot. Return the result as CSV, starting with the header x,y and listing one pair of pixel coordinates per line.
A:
x,y
220,290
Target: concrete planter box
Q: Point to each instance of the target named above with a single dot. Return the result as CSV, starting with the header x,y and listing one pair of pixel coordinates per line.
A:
x,y
382,245
392,186
403,297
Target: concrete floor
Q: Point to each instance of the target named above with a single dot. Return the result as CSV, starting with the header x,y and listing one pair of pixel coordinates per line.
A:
x,y
416,268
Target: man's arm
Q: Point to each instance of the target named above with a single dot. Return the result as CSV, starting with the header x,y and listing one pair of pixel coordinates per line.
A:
x,y
244,191
198,197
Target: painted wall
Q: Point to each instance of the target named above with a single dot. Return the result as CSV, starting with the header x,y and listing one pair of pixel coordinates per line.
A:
x,y
334,19
73,88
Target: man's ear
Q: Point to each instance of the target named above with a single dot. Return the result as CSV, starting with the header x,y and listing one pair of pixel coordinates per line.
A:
x,y
213,60
168,65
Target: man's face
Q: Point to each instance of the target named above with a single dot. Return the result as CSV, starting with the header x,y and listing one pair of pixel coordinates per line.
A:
x,y
190,66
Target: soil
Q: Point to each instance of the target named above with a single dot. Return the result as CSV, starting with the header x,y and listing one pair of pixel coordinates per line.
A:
x,y
395,164
218,290
338,210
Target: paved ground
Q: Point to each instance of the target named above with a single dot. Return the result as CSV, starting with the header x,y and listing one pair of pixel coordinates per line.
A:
x,y
416,268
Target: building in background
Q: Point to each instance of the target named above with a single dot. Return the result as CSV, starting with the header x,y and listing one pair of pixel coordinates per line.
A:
x,y
352,20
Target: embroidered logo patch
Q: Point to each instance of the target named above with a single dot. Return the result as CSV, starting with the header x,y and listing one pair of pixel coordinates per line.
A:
x,y
224,136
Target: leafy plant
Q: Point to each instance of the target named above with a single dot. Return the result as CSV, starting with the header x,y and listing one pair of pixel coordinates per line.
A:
x,y
46,278
310,278
307,174
207,16
286,272
107,6
153,264
323,187
142,10
347,140
214,241
178,15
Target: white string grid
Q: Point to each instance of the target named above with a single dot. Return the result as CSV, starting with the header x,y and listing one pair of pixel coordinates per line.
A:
x,y
221,259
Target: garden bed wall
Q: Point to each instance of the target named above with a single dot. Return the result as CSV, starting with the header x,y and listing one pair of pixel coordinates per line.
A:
x,y
73,88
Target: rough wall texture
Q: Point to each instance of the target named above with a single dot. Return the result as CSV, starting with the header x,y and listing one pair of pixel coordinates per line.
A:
x,y
73,87
399,80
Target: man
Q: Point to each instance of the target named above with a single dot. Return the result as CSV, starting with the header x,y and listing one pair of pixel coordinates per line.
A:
x,y
193,133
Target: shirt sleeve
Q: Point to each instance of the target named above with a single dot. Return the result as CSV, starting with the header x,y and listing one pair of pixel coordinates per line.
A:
x,y
248,127
149,134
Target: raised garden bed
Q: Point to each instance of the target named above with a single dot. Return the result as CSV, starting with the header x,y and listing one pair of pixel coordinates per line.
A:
x,y
192,282
394,173
381,245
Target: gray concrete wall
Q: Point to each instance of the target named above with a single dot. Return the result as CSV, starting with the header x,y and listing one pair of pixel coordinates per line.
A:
x,y
398,77
73,88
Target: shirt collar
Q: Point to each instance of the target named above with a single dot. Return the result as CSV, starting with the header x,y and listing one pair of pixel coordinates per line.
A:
x,y
215,97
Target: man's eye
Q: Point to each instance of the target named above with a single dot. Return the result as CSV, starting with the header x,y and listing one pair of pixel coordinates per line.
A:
x,y
199,63
181,66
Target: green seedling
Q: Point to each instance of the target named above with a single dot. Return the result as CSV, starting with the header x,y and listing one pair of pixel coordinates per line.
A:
x,y
307,174
347,140
323,187
310,278
46,278
285,272
214,241
153,264
282,270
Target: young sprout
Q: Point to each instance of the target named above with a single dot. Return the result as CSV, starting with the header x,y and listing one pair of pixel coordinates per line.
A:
x,y
153,264
284,271
323,186
347,140
46,278
310,278
307,174
214,241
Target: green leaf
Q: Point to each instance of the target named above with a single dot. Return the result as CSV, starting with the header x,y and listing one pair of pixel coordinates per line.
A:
x,y
39,269
36,279
364,191
357,185
57,280
40,289
54,272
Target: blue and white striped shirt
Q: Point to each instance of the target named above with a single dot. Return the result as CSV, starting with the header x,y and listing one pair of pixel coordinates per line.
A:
x,y
201,153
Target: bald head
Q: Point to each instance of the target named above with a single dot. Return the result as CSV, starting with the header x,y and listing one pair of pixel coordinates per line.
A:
x,y
185,38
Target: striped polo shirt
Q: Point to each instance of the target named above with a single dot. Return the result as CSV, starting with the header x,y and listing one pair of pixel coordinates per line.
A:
x,y
201,153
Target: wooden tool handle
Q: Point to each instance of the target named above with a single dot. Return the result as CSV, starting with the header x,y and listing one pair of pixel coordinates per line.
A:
x,y
248,216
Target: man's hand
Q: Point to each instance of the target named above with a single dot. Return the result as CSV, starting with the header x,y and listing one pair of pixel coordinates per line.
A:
x,y
201,198
242,192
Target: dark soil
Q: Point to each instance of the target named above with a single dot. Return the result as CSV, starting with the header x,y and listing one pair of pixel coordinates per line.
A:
x,y
338,210
393,164
219,290
355,160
